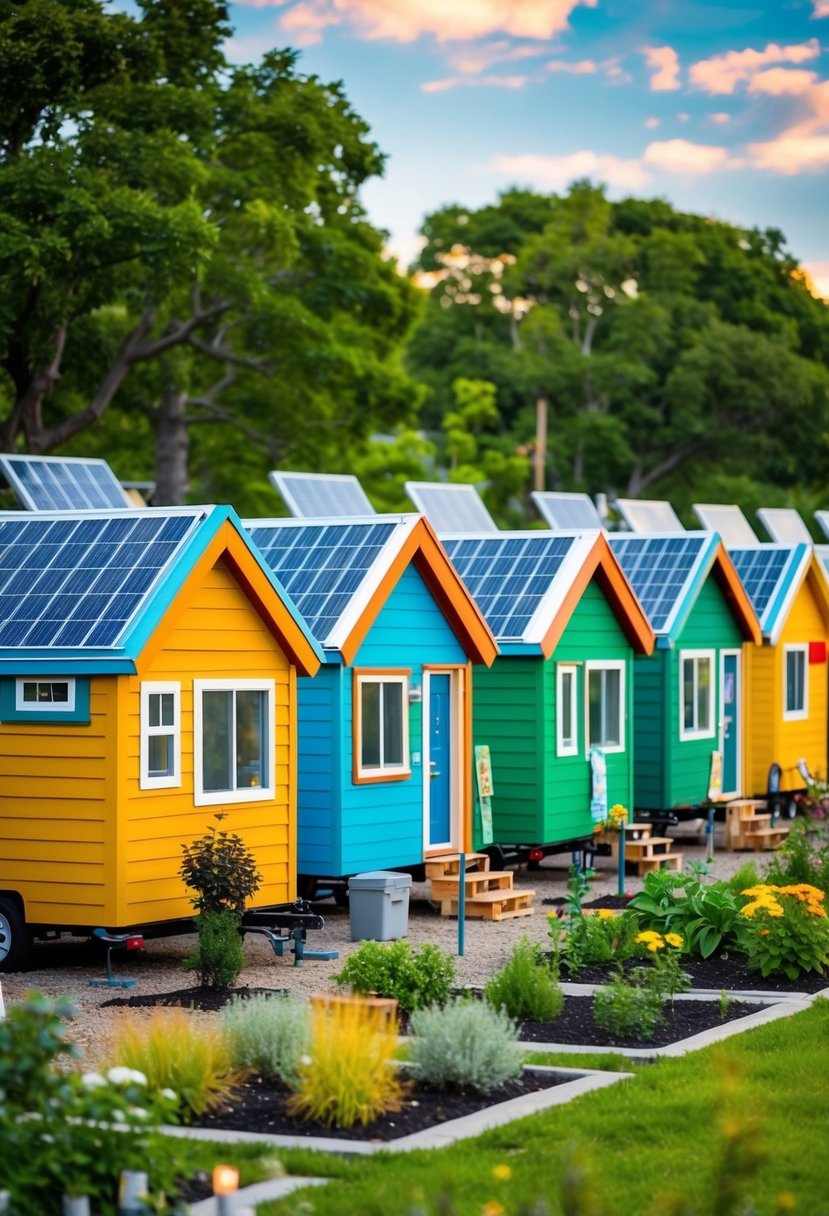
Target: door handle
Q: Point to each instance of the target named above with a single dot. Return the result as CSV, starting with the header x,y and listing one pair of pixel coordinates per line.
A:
x,y
433,772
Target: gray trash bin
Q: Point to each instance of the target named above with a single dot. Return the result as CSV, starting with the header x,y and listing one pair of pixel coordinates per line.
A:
x,y
379,903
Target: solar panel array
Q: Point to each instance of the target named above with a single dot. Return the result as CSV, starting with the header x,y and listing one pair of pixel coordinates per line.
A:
x,y
51,483
760,570
823,519
658,568
322,495
508,576
728,520
784,525
649,515
451,508
321,565
567,512
80,582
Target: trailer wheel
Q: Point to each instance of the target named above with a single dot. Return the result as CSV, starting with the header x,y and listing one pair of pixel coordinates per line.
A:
x,y
15,936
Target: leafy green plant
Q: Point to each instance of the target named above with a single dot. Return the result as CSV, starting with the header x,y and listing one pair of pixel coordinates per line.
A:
x,y
465,1044
598,935
629,1006
221,869
803,857
526,987
724,1003
667,976
349,1077
415,978
788,929
705,915
219,956
268,1035
173,1051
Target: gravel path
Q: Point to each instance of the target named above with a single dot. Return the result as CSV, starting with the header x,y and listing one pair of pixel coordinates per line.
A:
x,y
65,968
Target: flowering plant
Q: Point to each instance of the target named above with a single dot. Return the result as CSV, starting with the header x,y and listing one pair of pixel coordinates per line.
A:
x,y
788,929
668,977
616,816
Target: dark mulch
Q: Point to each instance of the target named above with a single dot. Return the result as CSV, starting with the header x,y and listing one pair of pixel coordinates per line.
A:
x,y
259,1106
575,1024
205,1000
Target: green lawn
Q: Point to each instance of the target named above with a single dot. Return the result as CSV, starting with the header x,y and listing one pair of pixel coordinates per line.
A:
x,y
742,1127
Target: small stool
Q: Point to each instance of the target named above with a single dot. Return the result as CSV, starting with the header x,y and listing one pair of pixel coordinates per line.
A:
x,y
127,941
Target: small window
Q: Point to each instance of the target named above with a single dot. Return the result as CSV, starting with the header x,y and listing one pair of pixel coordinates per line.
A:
x,y
381,726
606,705
697,694
52,696
160,736
796,686
233,740
42,699
567,736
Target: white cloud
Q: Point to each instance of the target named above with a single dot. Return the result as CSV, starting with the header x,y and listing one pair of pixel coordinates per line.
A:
x,y
802,147
821,8
558,171
582,67
682,156
723,73
720,118
663,62
652,123
779,82
453,82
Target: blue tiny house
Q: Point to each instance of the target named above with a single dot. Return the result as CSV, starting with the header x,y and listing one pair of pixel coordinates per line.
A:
x,y
689,695
384,772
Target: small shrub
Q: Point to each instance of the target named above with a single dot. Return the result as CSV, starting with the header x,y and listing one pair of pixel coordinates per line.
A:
x,y
666,976
598,936
173,1051
705,915
465,1044
349,1077
219,956
746,876
221,869
268,1035
787,929
526,987
628,1007
393,969
803,857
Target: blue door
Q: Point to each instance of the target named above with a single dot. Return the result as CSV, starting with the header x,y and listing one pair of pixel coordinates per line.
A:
x,y
440,760
730,731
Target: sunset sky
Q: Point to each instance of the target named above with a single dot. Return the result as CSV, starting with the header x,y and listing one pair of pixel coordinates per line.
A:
x,y
721,108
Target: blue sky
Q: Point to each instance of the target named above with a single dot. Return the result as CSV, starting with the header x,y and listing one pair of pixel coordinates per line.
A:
x,y
721,108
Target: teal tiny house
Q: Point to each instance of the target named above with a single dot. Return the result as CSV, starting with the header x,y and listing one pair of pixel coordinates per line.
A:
x,y
689,694
384,767
567,627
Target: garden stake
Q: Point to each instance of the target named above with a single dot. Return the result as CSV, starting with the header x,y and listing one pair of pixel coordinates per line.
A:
x,y
709,835
461,901
621,883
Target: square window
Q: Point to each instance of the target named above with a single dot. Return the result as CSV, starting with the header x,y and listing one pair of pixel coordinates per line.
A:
x,y
697,694
160,749
51,696
381,726
233,740
605,705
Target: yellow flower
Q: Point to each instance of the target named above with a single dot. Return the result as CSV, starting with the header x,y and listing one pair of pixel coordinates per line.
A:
x,y
648,935
493,1208
674,939
605,914
654,946
502,1172
786,1202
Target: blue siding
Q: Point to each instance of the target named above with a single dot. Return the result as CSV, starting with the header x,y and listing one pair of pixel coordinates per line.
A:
x,y
346,828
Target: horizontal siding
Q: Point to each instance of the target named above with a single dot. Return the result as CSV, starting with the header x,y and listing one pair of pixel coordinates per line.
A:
x,y
506,715
805,739
762,722
318,794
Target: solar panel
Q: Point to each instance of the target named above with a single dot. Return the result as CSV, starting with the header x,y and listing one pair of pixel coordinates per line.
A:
x,y
79,582
322,495
760,569
58,483
823,519
660,569
451,508
648,515
509,575
728,520
566,512
784,525
321,565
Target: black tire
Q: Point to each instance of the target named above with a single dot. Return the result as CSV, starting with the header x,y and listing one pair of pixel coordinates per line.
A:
x,y
341,896
15,936
306,886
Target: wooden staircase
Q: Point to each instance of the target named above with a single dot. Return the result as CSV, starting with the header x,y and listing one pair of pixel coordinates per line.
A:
x,y
489,894
643,851
746,828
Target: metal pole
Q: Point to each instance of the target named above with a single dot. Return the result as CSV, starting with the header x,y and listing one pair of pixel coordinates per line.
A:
x,y
461,900
709,835
621,884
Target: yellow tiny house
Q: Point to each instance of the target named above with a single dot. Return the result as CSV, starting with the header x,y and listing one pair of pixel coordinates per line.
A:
x,y
148,666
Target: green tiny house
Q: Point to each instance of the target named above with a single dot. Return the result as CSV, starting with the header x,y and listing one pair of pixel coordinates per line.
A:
x,y
568,627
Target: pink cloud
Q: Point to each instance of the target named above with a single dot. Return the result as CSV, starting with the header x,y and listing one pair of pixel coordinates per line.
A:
x,y
821,8
802,147
723,73
682,156
652,123
474,59
453,82
779,82
818,272
583,67
403,21
558,171
663,61
720,118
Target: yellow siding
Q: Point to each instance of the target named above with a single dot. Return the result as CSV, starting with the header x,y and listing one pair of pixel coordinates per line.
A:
x,y
217,633
761,723
56,814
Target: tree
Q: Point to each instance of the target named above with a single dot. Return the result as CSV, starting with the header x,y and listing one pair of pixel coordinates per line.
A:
x,y
187,236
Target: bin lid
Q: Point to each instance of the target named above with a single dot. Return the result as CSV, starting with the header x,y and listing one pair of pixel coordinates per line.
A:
x,y
379,880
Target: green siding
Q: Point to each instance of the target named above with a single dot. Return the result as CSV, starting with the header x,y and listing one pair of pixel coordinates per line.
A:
x,y
649,731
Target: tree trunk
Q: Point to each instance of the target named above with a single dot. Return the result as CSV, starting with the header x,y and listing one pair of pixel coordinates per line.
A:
x,y
540,461
172,446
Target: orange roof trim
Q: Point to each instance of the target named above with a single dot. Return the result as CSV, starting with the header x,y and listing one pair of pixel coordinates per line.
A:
x,y
735,593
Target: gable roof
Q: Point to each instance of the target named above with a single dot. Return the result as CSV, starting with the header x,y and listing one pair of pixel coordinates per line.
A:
x,y
341,572
666,572
527,584
773,575
84,592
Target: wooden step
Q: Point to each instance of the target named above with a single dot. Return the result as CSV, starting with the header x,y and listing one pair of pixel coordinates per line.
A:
x,y
646,865
764,838
654,846
493,905
475,882
450,863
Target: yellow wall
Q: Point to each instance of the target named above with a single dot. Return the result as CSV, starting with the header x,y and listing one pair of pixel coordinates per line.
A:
x,y
771,738
79,839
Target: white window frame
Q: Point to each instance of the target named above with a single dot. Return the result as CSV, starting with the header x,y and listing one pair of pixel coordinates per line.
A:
x,y
796,715
44,707
707,730
258,793
567,746
167,780
599,666
381,772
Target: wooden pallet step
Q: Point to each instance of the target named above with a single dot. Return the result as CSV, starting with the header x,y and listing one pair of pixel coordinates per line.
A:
x,y
765,838
493,905
635,849
645,865
486,880
450,863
